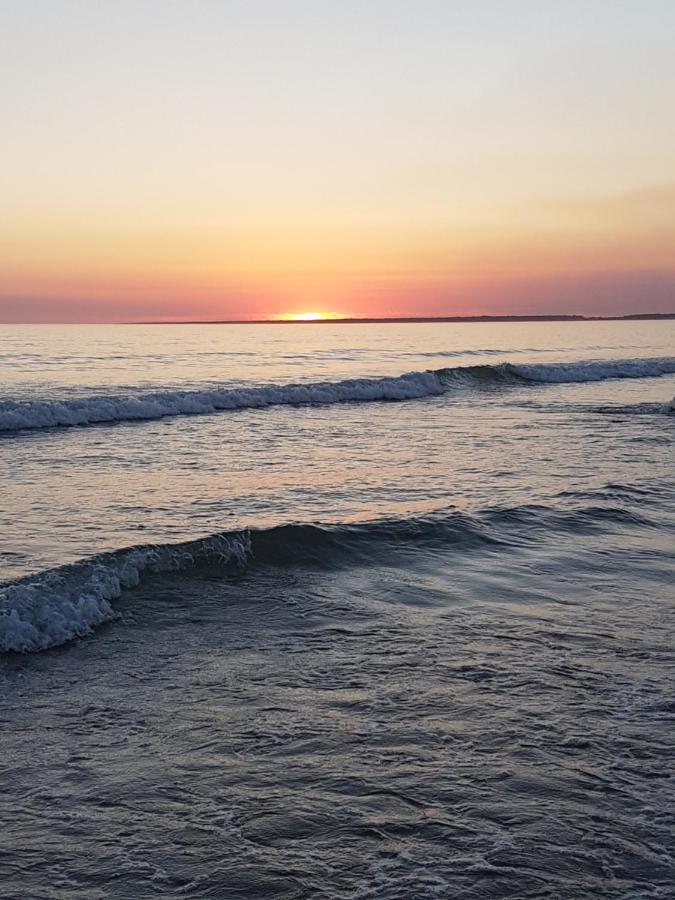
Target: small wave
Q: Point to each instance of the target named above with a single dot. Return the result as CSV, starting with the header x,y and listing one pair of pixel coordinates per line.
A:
x,y
637,409
454,354
21,414
559,373
57,606
598,370
17,415
60,605
647,493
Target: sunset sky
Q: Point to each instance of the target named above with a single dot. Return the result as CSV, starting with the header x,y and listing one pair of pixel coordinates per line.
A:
x,y
245,159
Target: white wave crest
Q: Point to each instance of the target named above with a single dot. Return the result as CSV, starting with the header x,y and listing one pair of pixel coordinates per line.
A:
x,y
70,602
20,414
598,370
16,415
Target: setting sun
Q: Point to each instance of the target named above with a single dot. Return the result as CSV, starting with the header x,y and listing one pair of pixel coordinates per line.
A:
x,y
309,316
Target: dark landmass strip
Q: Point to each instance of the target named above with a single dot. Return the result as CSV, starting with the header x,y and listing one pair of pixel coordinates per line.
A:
x,y
410,319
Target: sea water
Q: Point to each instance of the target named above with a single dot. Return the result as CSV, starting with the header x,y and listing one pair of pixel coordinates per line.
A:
x,y
337,610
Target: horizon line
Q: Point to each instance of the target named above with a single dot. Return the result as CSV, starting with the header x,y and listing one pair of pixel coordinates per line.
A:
x,y
355,320
373,320
376,320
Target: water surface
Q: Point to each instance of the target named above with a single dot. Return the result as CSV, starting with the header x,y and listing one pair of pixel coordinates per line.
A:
x,y
337,611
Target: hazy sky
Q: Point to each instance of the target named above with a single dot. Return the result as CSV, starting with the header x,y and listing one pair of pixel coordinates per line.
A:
x,y
193,158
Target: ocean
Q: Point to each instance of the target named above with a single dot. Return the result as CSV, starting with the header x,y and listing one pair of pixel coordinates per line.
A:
x,y
337,611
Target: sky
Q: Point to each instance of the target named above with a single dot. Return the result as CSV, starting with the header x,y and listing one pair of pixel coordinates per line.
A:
x,y
218,159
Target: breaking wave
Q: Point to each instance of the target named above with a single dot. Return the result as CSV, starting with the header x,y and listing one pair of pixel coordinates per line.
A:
x,y
62,604
17,415
54,607
559,373
599,370
20,414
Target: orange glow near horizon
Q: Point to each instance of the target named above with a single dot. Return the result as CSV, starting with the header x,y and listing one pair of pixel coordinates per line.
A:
x,y
270,273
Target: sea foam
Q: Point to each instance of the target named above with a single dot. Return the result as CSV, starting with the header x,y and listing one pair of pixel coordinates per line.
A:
x,y
60,605
597,370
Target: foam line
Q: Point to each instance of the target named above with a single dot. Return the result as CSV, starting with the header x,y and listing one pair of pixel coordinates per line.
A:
x,y
20,414
16,415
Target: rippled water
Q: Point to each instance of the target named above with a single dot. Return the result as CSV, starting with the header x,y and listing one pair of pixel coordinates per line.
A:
x,y
318,630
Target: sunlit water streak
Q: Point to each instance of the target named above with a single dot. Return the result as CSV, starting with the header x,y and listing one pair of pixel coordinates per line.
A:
x,y
415,643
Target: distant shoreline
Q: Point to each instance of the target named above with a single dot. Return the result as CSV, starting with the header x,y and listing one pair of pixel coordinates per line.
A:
x,y
407,320
392,320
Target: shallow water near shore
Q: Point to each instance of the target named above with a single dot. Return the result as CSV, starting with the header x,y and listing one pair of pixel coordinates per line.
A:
x,y
373,639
